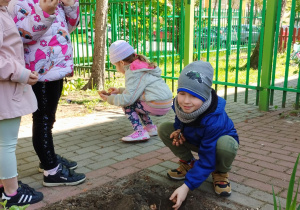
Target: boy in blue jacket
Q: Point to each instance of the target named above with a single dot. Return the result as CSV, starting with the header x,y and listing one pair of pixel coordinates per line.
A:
x,y
201,125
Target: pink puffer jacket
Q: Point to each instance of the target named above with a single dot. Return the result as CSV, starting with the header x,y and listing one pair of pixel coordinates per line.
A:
x,y
16,97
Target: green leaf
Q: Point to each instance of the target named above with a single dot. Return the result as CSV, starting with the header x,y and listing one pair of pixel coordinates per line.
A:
x,y
274,199
293,206
291,185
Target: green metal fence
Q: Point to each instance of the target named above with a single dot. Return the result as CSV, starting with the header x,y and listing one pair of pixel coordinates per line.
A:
x,y
225,37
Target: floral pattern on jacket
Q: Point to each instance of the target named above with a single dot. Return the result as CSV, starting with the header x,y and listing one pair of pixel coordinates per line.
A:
x,y
47,44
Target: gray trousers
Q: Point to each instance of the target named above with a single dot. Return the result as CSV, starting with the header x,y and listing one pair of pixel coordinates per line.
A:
x,y
226,149
9,129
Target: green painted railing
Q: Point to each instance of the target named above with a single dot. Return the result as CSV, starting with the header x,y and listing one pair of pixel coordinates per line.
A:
x,y
175,32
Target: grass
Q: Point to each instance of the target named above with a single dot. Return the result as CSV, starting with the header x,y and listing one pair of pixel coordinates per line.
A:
x,y
117,79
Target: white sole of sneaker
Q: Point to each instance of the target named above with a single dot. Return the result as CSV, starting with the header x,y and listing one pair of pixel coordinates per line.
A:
x,y
135,141
176,178
42,170
60,184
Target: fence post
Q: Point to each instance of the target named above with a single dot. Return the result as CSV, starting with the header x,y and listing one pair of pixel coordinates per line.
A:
x,y
267,54
188,31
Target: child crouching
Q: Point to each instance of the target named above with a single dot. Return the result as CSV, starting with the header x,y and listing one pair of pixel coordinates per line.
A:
x,y
201,125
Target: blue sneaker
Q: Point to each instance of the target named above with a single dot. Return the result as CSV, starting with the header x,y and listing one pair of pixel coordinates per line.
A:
x,y
60,159
25,195
63,176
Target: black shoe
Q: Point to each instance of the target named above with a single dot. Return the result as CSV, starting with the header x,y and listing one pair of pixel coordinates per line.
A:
x,y
25,195
2,189
64,176
68,163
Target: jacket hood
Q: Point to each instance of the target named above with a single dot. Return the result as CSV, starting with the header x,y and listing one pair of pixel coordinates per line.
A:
x,y
2,8
221,105
141,66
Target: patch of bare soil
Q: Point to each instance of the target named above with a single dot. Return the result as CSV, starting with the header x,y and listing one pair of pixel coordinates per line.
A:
x,y
140,192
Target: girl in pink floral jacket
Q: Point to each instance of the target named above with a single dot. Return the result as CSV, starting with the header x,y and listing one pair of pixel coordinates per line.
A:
x,y
16,99
45,27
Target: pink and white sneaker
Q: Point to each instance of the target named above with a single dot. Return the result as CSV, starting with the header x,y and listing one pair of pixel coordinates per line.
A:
x,y
151,129
137,136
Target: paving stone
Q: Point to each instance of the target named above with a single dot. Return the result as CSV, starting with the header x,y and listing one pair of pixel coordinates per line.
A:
x,y
157,168
126,155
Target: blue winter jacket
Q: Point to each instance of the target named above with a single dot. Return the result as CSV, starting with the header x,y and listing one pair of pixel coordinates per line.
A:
x,y
204,133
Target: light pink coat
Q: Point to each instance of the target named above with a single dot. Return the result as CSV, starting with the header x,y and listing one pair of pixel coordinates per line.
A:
x,y
16,97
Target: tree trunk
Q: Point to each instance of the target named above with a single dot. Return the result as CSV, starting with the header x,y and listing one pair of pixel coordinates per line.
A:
x,y
255,54
97,78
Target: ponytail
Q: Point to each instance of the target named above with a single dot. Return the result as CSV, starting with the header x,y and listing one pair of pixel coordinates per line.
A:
x,y
134,57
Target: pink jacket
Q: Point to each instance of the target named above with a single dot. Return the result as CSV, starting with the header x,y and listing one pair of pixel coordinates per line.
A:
x,y
16,97
46,38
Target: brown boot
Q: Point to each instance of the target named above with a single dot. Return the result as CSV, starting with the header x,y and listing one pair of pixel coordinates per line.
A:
x,y
180,172
221,183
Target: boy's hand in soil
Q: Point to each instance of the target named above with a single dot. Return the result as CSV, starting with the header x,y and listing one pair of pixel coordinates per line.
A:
x,y
179,196
33,78
48,6
177,137
113,90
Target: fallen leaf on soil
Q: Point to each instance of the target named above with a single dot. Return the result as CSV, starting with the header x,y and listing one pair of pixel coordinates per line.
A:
x,y
153,207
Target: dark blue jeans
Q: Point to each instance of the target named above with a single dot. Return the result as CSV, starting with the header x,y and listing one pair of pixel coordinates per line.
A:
x,y
47,94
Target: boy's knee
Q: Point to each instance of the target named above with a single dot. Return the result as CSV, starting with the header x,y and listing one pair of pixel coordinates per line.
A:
x,y
226,151
227,144
165,129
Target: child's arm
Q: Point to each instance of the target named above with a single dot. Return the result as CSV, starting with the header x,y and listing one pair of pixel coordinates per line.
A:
x,y
10,68
34,20
134,89
207,157
71,8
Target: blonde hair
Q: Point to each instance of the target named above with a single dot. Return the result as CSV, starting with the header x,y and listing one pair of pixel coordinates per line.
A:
x,y
134,57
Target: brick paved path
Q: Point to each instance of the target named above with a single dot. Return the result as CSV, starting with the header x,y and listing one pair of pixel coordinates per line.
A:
x,y
269,145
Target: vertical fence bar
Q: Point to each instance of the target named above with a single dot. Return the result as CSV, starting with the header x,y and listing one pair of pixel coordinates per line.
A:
x,y
189,25
238,49
288,53
275,51
144,28
218,45
228,43
165,43
249,49
267,54
158,33
260,50
173,38
209,31
199,29
182,15
151,30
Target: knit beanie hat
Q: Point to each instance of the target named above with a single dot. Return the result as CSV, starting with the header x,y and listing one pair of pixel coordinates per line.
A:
x,y
119,50
196,79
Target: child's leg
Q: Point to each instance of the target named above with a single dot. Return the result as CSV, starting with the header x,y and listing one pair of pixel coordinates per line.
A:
x,y
144,115
133,116
183,151
8,163
47,94
226,151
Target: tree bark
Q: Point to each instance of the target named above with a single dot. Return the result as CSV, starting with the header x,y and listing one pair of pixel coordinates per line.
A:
x,y
97,78
255,54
